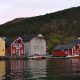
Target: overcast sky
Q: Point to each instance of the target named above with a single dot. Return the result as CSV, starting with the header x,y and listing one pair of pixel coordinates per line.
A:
x,y
10,9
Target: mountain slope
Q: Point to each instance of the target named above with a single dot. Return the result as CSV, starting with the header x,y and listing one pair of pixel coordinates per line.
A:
x,y
62,24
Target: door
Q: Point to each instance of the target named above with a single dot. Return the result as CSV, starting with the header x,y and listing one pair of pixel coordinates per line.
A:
x,y
17,52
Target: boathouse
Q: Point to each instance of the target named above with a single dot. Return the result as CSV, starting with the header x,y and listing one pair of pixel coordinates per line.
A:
x,y
15,47
34,44
71,49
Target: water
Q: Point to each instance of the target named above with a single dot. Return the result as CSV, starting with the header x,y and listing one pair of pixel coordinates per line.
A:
x,y
46,69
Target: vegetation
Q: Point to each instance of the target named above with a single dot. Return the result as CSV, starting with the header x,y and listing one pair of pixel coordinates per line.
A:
x,y
58,28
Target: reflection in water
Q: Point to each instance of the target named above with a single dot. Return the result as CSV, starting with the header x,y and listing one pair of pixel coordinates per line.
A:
x,y
2,69
76,65
36,69
60,69
52,69
14,70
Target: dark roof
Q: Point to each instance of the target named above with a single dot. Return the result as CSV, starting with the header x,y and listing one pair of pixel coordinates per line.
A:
x,y
68,46
76,41
27,38
63,47
8,40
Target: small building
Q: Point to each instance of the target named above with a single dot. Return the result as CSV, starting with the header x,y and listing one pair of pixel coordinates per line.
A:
x,y
15,47
71,49
2,47
62,50
34,44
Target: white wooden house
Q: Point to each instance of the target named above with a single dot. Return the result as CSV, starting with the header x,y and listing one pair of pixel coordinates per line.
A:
x,y
35,44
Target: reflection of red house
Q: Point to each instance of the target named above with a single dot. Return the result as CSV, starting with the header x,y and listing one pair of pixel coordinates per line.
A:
x,y
15,47
71,49
15,69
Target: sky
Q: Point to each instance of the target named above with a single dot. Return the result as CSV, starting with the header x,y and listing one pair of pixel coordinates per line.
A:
x,y
11,9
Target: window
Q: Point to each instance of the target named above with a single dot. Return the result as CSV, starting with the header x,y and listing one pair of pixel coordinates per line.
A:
x,y
41,47
17,52
20,45
22,51
17,45
41,40
13,50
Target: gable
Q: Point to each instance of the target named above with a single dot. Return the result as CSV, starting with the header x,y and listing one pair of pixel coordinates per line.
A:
x,y
28,38
40,35
18,40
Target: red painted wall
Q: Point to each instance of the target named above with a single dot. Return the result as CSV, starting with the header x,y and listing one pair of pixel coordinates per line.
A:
x,y
62,53
10,48
58,53
66,52
20,49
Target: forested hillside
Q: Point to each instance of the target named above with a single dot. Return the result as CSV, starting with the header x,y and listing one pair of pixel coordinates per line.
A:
x,y
58,28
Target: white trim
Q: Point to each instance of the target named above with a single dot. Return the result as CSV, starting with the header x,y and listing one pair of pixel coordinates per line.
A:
x,y
15,46
72,52
68,52
24,46
24,50
17,39
11,50
20,45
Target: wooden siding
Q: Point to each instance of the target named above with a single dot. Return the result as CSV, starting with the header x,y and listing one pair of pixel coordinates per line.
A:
x,y
14,50
2,47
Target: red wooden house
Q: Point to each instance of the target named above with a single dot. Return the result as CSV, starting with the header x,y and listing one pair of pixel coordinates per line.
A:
x,y
15,47
72,49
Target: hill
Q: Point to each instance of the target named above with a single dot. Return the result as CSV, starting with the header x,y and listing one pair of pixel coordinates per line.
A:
x,y
58,28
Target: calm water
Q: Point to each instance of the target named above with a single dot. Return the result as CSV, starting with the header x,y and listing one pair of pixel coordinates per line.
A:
x,y
47,69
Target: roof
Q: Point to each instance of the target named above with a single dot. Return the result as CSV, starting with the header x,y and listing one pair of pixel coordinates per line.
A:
x,y
63,47
27,38
76,41
9,40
